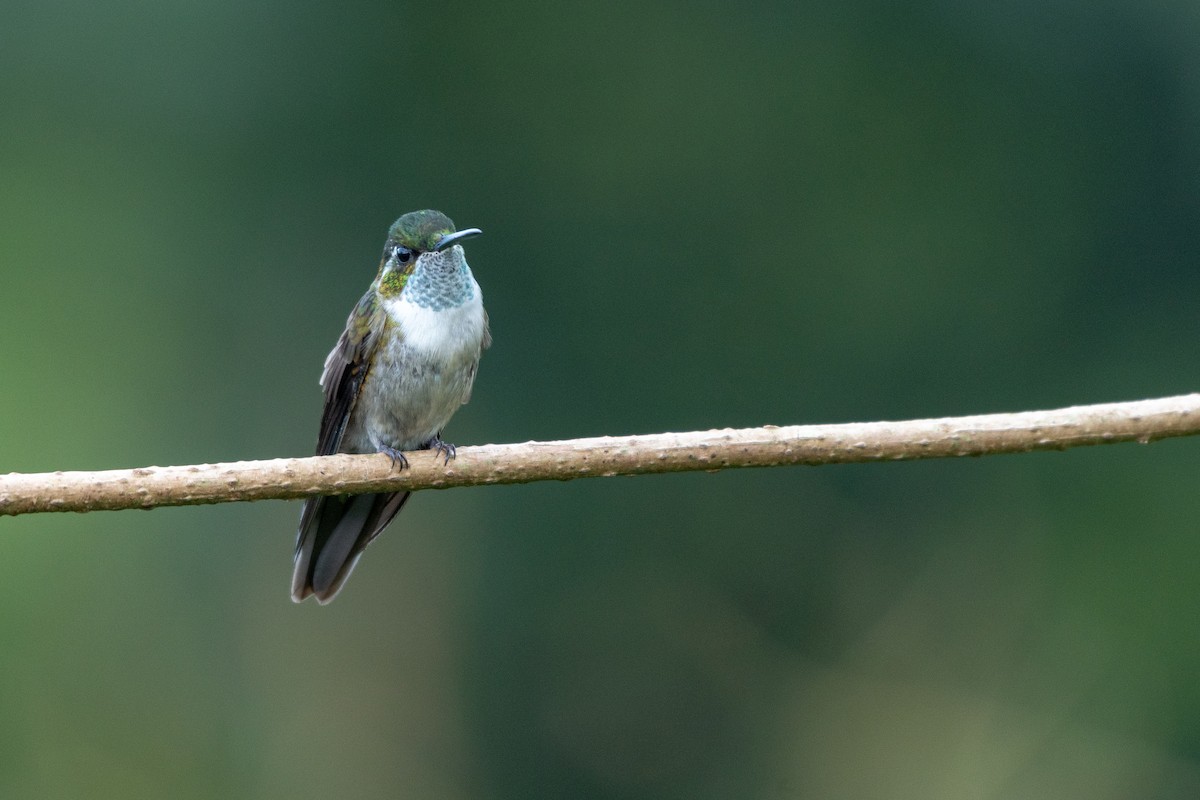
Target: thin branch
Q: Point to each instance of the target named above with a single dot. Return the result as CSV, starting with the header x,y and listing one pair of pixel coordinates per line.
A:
x,y
288,478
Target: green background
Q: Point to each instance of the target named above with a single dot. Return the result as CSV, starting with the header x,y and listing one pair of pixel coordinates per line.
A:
x,y
696,215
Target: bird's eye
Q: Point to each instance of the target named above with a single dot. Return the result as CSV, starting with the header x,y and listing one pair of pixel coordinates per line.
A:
x,y
403,254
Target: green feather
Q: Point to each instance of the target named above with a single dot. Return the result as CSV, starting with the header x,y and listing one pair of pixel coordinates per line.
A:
x,y
420,230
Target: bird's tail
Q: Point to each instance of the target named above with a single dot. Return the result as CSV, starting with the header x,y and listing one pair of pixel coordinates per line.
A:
x,y
333,533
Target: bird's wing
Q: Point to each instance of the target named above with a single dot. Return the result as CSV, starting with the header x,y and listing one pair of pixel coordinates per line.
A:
x,y
345,368
483,345
323,517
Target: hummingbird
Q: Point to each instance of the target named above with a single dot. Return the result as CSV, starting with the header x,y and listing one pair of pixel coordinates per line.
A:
x,y
400,370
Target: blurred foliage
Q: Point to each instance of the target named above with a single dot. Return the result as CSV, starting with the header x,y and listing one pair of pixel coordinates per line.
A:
x,y
697,215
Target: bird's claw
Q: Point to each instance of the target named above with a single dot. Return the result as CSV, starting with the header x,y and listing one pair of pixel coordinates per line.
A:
x,y
444,449
398,459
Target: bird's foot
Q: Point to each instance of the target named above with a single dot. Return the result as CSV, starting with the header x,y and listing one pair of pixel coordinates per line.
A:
x,y
444,449
398,459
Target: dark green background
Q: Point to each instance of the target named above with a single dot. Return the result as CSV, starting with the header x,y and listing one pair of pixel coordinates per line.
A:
x,y
697,215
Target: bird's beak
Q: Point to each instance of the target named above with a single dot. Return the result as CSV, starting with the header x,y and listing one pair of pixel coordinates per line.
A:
x,y
451,238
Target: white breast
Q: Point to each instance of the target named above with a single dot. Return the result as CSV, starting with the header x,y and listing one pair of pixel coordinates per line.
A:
x,y
444,336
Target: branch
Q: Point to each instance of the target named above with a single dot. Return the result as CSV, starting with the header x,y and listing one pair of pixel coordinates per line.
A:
x,y
289,478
